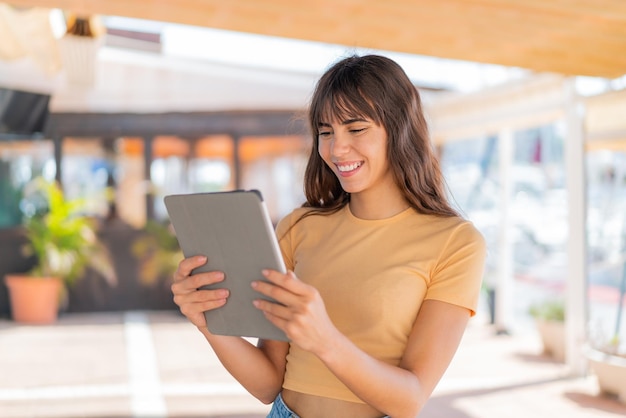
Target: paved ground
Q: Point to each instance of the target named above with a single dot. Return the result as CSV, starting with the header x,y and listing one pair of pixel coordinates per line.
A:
x,y
154,364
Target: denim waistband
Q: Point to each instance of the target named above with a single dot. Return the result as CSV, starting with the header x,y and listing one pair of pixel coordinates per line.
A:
x,y
281,410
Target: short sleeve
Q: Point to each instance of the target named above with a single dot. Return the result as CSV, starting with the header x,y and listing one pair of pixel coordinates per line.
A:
x,y
457,276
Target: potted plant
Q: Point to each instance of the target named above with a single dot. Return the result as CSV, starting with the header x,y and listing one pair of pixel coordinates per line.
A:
x,y
64,244
549,318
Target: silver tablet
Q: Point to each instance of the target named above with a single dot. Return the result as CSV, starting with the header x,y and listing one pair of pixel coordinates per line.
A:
x,y
234,231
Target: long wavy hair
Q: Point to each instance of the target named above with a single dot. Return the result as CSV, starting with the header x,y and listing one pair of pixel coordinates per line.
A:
x,y
375,88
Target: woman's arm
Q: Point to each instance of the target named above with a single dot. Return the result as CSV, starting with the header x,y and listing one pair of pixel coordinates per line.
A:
x,y
398,391
260,369
402,391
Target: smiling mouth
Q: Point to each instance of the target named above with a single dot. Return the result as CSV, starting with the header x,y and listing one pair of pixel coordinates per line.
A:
x,y
345,168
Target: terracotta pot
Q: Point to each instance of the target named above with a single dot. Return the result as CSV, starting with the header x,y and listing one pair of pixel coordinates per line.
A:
x,y
34,300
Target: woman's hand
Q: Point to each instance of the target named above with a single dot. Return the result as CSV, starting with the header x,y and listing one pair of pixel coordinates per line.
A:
x,y
300,313
191,300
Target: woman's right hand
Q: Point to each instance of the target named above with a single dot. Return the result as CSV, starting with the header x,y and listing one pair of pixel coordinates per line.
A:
x,y
191,300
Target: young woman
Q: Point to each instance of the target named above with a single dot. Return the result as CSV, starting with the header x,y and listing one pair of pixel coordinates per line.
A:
x,y
383,273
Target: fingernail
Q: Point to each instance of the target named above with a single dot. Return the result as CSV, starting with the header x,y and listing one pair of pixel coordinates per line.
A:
x,y
265,272
254,284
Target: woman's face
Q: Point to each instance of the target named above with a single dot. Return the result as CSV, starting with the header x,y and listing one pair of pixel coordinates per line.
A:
x,y
356,151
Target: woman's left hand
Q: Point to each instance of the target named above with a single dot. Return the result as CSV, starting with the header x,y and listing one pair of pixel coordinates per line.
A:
x,y
300,311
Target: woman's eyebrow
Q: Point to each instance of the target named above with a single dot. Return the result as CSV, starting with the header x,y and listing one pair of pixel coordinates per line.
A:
x,y
345,122
349,121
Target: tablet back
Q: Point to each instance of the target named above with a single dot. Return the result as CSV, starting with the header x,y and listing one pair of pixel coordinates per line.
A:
x,y
234,230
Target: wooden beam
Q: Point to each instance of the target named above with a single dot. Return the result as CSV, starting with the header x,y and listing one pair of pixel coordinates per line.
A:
x,y
193,124
583,37
586,37
521,105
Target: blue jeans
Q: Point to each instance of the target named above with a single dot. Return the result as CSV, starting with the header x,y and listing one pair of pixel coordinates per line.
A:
x,y
280,410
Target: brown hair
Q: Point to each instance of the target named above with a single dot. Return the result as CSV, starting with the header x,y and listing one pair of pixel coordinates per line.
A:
x,y
376,88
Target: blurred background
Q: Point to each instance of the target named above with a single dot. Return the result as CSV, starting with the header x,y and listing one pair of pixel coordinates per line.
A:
x,y
124,103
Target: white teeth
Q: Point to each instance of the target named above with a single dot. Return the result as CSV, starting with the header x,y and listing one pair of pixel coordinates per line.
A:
x,y
349,167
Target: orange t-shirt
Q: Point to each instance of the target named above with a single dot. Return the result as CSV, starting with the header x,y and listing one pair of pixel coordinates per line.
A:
x,y
373,276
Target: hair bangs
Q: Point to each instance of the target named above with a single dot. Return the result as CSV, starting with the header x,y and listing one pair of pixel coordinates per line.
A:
x,y
342,101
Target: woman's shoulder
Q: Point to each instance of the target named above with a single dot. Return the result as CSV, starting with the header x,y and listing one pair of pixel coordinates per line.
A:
x,y
464,232
450,225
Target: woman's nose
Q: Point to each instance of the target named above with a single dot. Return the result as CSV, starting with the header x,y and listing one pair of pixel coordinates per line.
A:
x,y
341,145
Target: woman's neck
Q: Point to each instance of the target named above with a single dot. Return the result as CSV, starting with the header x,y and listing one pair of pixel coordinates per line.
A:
x,y
373,206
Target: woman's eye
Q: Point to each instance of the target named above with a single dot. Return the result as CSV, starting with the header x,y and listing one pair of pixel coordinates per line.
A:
x,y
324,134
356,131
